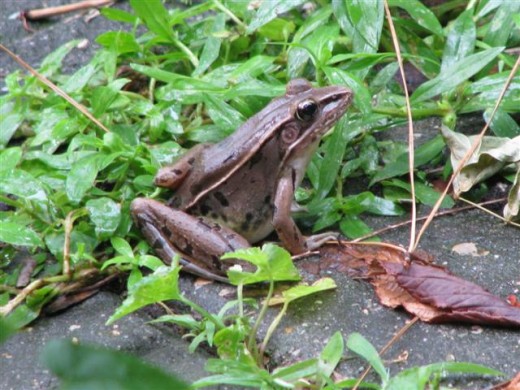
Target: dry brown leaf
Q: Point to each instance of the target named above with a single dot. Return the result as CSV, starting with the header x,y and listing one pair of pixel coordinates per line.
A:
x,y
426,290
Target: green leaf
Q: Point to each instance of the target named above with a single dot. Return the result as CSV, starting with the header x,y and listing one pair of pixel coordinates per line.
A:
x,y
334,150
16,234
9,124
366,19
211,48
225,117
252,68
420,13
331,355
459,72
81,367
6,330
296,371
77,81
120,41
502,24
22,316
22,184
418,377
155,16
460,41
269,10
303,290
178,81
118,15
503,125
106,214
272,262
122,246
160,286
353,227
424,154
424,193
362,96
53,61
184,320
277,29
83,173
9,158
362,347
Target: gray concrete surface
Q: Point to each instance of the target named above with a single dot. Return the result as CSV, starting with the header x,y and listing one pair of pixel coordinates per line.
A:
x,y
310,322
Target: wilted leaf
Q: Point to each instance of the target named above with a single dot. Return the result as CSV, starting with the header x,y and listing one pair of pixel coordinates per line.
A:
x,y
423,289
493,154
513,200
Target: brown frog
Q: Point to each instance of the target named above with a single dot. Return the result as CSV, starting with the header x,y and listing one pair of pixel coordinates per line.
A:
x,y
234,193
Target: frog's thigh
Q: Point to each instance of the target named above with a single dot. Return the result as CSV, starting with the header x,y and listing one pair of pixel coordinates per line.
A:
x,y
193,237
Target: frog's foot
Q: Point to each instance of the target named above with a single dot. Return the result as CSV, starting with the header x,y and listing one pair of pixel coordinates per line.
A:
x,y
317,240
199,242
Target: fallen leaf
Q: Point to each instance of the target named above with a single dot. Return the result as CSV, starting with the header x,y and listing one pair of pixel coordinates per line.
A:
x,y
425,290
513,384
468,249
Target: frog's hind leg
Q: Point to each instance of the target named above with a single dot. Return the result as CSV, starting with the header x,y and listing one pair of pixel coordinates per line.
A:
x,y
199,242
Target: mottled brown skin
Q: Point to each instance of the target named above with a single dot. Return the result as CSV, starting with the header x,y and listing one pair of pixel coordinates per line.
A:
x,y
234,193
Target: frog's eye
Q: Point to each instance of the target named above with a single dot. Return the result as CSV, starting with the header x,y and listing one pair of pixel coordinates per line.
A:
x,y
306,110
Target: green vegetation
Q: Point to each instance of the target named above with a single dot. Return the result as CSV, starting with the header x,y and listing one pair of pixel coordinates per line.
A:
x,y
196,74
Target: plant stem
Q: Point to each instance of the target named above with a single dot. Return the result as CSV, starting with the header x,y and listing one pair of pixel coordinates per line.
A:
x,y
261,315
417,113
19,205
193,59
240,298
233,17
272,327
219,324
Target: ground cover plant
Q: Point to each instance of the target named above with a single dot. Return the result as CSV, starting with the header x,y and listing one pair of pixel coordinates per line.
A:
x,y
194,75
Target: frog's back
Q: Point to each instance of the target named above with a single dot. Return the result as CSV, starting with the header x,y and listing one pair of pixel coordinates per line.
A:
x,y
244,201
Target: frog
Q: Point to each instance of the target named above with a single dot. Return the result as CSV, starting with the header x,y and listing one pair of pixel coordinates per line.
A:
x,y
234,193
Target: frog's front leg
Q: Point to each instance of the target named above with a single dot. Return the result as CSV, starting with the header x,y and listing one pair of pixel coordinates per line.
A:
x,y
198,241
285,227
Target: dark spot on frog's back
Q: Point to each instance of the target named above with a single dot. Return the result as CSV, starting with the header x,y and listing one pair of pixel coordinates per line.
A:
x,y
246,225
191,160
204,209
188,250
257,157
221,198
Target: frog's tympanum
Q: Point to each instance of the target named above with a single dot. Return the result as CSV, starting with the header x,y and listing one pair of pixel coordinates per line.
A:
x,y
234,193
